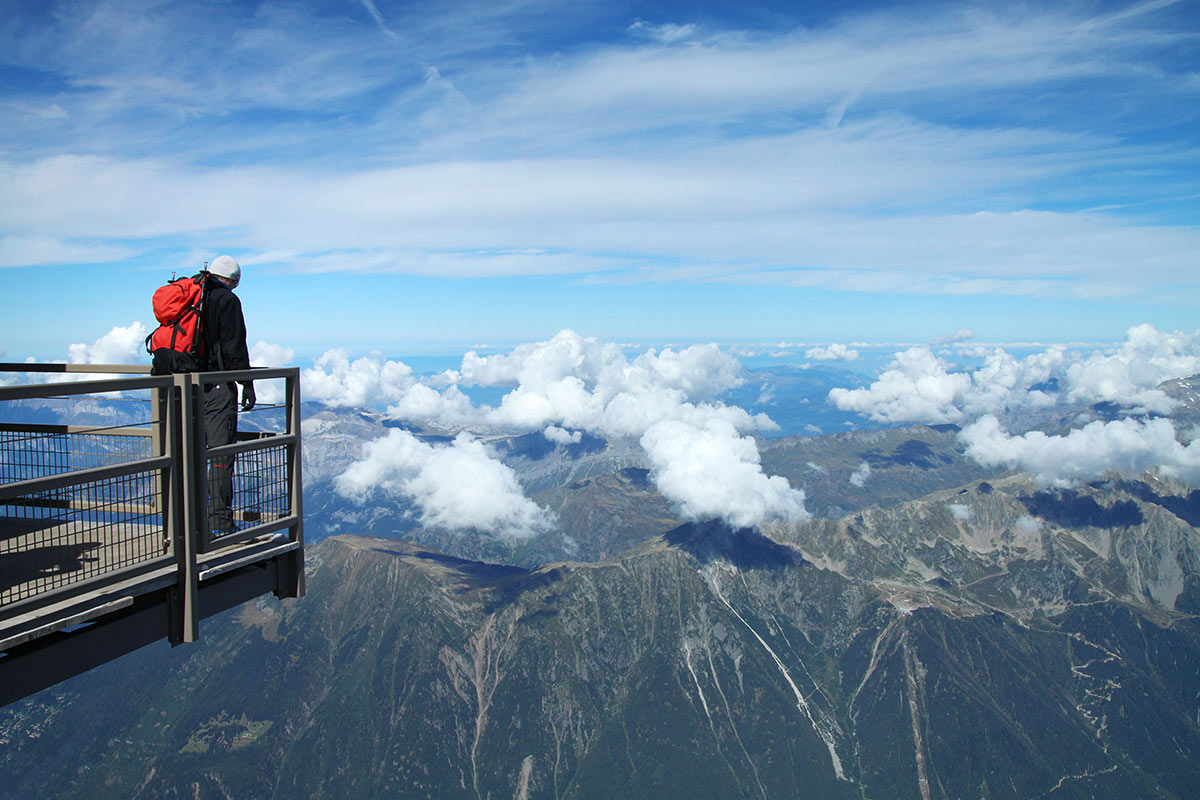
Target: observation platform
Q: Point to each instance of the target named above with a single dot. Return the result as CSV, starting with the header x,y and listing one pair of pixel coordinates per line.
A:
x,y
105,541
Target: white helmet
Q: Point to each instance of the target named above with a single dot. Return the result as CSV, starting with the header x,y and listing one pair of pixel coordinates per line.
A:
x,y
226,267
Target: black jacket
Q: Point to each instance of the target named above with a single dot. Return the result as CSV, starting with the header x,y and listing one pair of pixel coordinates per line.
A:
x,y
224,329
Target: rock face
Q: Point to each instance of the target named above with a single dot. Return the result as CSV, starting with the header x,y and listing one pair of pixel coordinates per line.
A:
x,y
989,640
936,630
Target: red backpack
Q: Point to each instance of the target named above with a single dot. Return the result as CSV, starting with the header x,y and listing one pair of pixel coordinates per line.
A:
x,y
177,345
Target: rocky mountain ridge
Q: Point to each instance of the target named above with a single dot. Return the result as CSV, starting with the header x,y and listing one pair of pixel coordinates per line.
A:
x,y
987,640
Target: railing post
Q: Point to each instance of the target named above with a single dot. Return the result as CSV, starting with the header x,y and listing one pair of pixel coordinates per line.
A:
x,y
292,584
191,469
160,439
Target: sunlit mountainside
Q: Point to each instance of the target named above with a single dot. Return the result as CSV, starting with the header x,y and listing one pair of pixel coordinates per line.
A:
x,y
930,621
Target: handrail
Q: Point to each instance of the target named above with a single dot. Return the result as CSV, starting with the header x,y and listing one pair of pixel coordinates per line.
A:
x,y
14,489
87,369
169,500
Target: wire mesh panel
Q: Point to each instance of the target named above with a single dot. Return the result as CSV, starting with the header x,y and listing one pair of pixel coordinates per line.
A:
x,y
28,452
75,530
50,539
256,489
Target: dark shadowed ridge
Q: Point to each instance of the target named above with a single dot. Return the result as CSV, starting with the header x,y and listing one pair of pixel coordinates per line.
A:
x,y
501,583
745,548
911,453
536,447
1070,509
1186,508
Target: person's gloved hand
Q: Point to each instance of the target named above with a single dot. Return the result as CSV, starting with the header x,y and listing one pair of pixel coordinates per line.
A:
x,y
248,398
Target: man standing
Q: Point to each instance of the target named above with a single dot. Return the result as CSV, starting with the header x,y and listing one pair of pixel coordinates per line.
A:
x,y
225,340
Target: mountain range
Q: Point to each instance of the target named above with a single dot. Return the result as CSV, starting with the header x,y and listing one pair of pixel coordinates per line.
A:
x,y
936,629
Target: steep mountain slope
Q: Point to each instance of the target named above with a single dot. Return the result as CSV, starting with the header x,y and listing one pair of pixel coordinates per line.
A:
x,y
901,463
989,640
603,494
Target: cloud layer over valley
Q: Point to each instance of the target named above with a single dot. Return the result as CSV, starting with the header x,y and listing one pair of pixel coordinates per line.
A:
x,y
1100,409
702,458
922,386
702,452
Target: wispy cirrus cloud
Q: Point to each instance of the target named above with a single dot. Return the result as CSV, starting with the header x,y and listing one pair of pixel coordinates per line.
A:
x,y
940,151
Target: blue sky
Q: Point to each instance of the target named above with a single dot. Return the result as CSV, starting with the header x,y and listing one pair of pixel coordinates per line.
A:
x,y
419,177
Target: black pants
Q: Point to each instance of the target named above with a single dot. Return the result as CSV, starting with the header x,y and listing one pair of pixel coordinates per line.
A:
x,y
220,426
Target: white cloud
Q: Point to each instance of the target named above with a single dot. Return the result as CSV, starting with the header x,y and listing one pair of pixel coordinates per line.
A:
x,y
264,354
1127,447
1028,524
37,250
1146,358
570,385
918,386
921,387
711,471
561,436
338,381
559,217
582,384
586,148
666,32
960,335
119,346
834,352
960,512
458,486
446,408
859,476
973,351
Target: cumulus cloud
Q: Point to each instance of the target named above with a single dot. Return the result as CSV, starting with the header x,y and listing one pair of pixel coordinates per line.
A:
x,y
376,382
444,408
582,384
710,471
119,346
834,352
562,436
1125,447
859,476
264,354
920,386
338,381
1147,357
458,486
571,385
917,386
664,399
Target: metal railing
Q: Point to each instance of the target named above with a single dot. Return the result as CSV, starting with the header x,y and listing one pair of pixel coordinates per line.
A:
x,y
104,481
